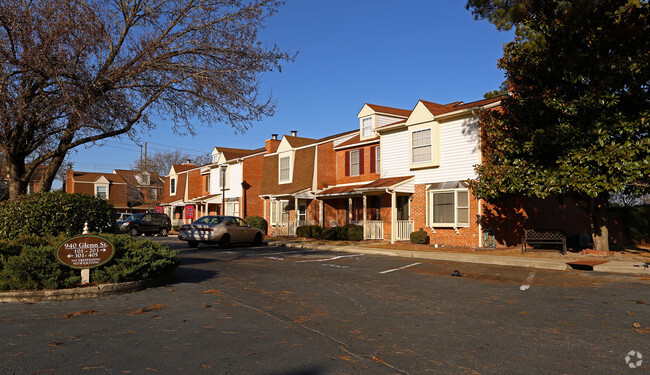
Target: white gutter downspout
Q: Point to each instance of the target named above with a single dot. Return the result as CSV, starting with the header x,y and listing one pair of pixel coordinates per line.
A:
x,y
393,214
480,206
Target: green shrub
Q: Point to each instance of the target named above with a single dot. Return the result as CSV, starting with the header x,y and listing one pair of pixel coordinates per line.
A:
x,y
258,222
355,232
54,213
303,231
328,234
12,247
342,233
419,237
315,231
35,267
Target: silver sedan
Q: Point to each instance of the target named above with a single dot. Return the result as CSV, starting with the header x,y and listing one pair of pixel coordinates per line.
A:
x,y
223,230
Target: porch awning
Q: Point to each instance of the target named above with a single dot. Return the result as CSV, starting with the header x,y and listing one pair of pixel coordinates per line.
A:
x,y
448,185
340,191
213,198
177,203
301,194
404,184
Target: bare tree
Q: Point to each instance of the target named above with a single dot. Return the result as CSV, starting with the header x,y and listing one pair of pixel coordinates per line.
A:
x,y
75,72
160,162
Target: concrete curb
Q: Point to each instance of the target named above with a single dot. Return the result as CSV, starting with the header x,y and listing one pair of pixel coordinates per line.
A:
x,y
82,292
498,260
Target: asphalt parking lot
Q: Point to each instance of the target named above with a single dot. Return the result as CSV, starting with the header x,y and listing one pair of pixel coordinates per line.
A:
x,y
272,310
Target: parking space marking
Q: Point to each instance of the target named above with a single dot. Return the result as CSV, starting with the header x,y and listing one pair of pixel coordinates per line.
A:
x,y
401,268
334,258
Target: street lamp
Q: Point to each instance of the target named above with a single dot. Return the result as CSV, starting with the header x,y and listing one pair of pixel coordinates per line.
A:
x,y
223,168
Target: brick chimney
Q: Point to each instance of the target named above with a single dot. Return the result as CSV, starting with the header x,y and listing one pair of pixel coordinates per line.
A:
x,y
272,144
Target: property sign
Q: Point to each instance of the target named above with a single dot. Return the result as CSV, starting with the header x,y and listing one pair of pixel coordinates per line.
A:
x,y
85,251
189,212
160,209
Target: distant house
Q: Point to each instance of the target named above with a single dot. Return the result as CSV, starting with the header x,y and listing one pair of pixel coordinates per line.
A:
x,y
32,185
230,184
128,190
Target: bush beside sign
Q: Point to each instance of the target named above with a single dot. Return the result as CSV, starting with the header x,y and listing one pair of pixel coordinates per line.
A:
x,y
85,251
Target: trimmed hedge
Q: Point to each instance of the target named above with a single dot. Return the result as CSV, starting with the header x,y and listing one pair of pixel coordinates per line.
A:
x,y
258,222
419,237
328,234
54,213
29,263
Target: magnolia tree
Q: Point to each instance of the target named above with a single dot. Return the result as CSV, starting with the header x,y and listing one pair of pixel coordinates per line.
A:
x,y
577,120
75,72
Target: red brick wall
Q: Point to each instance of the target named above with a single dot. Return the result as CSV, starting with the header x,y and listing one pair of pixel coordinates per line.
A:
x,y
195,186
327,174
465,237
253,205
341,178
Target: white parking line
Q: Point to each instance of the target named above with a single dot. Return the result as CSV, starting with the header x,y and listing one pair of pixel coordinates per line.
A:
x,y
334,258
401,268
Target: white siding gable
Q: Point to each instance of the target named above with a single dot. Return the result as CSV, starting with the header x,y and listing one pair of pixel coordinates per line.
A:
x,y
459,152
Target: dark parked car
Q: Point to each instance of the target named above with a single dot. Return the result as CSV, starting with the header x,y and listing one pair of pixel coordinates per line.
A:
x,y
149,223
223,230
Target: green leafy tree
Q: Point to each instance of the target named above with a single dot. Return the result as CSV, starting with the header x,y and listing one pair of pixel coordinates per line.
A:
x,y
578,119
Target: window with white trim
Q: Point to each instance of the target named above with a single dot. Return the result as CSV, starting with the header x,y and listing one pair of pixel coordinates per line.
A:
x,y
172,186
449,208
377,160
101,191
354,163
285,169
232,208
366,127
283,206
421,146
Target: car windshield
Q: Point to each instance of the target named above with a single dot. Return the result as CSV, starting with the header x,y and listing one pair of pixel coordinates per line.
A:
x,y
210,220
134,217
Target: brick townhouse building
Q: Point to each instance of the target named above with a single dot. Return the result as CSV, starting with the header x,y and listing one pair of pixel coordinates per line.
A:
x,y
129,191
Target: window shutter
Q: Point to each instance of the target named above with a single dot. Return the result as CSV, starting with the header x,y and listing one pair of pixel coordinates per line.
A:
x,y
373,159
361,152
347,163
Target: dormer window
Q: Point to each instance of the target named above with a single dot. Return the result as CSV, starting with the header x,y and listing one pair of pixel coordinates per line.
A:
x,y
215,157
172,186
366,127
101,191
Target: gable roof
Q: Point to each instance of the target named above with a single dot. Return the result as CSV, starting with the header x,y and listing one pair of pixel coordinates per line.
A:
x,y
356,140
297,142
389,110
236,153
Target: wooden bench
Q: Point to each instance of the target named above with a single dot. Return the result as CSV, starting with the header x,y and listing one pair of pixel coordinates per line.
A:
x,y
543,237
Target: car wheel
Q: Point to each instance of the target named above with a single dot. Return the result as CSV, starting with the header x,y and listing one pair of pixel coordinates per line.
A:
x,y
224,242
257,240
192,243
133,231
163,232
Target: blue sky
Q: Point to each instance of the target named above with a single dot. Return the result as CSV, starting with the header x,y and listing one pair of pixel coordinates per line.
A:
x,y
350,52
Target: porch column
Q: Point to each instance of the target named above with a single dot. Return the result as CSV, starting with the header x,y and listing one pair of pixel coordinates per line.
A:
x,y
207,209
365,225
393,215
349,211
295,214
321,213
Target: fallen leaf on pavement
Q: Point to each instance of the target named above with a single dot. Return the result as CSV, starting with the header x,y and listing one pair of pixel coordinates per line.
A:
x,y
146,309
77,313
